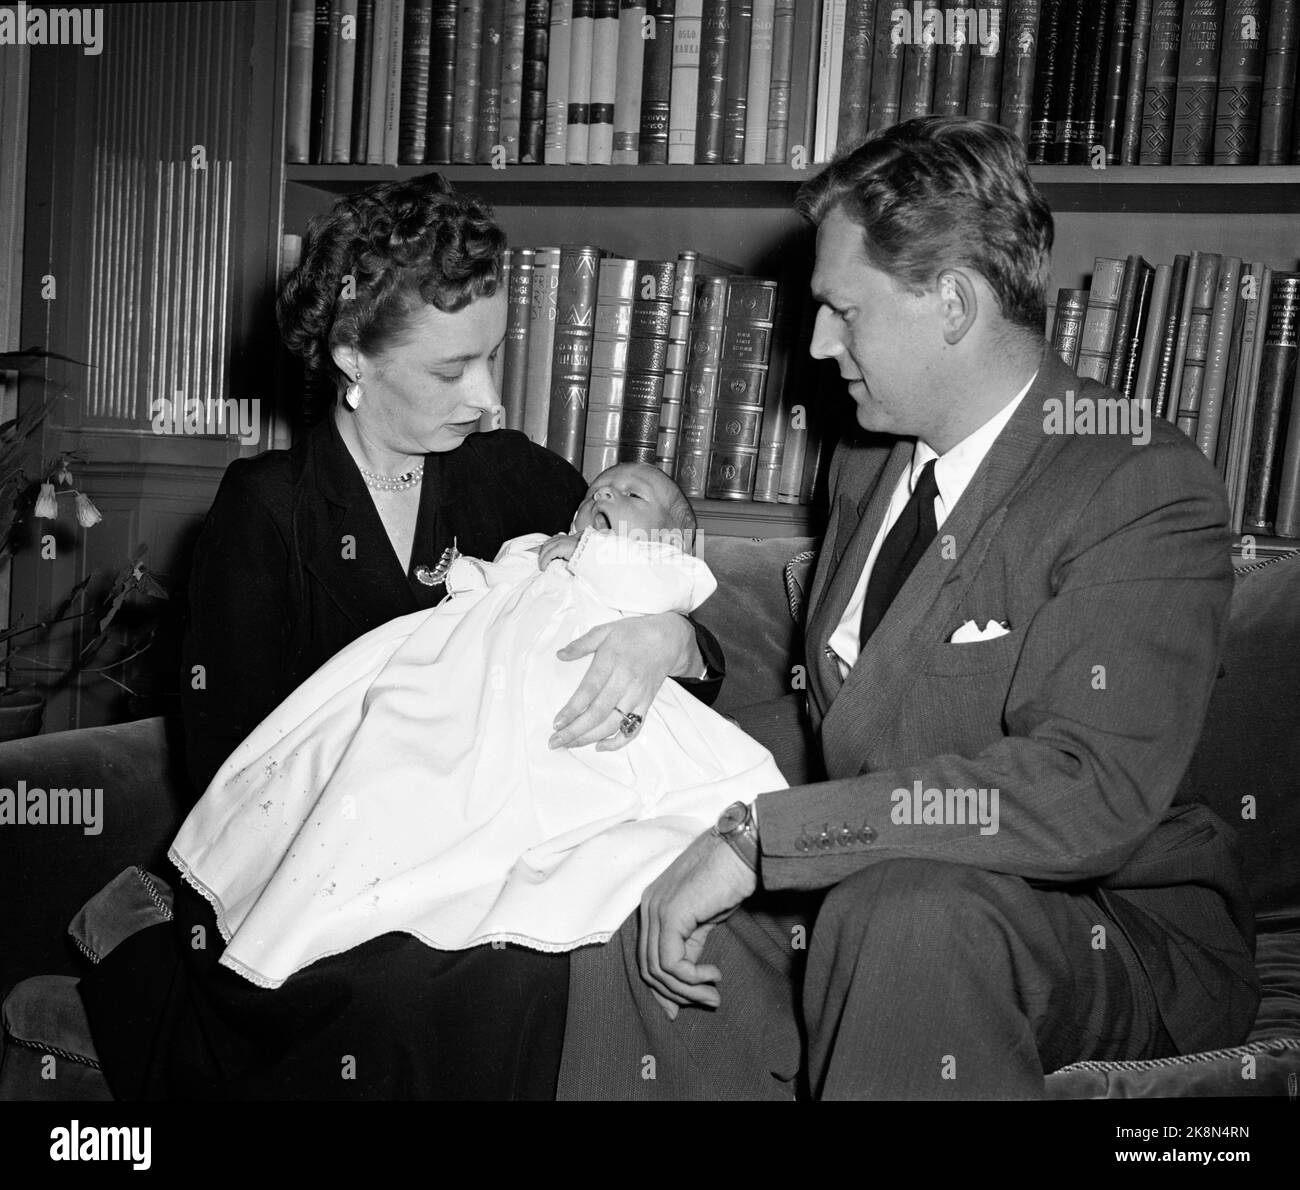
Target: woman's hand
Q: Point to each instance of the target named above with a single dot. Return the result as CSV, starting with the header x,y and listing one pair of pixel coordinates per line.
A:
x,y
632,659
562,545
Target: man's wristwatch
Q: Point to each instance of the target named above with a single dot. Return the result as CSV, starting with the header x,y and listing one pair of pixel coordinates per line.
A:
x,y
738,828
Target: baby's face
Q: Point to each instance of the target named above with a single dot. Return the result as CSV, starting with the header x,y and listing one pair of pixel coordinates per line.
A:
x,y
629,497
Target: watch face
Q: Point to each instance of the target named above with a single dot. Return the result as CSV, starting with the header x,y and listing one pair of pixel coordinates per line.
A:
x,y
733,818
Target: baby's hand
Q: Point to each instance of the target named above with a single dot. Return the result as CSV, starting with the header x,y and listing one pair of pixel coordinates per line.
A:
x,y
562,545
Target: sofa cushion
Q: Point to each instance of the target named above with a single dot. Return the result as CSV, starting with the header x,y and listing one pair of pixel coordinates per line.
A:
x,y
48,1053
1246,766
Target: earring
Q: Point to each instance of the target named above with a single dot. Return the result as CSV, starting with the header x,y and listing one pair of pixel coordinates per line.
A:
x,y
352,394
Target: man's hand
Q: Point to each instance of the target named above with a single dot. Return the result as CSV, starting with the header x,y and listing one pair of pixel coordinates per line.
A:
x,y
678,911
562,545
632,659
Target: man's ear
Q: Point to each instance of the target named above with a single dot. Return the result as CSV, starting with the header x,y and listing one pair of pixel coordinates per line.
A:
x,y
960,303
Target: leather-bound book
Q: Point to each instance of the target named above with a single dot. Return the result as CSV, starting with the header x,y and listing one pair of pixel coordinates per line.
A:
x,y
1164,379
1241,81
361,80
778,107
1130,145
984,86
413,122
647,356
1198,342
442,83
1277,96
532,115
952,69
1287,521
735,97
703,359
1071,306
557,82
684,89
657,83
1099,320
392,109
1020,67
575,306
1115,90
855,79
613,325
632,51
1085,126
759,96
742,387
541,343
715,42
297,115
515,26
1198,82
1125,315
1050,80
1072,57
519,301
469,60
1138,331
679,337
320,71
1243,417
1219,358
1161,83
1144,387
887,61
380,48
920,59
1277,373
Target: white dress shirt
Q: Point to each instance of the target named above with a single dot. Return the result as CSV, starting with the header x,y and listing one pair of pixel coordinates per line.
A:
x,y
952,473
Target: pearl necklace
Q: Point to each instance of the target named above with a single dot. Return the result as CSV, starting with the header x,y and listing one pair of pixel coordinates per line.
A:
x,y
393,483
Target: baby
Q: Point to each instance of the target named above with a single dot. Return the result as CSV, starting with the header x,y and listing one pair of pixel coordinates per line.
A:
x,y
408,784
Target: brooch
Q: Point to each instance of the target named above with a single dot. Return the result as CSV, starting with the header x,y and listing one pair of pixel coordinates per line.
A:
x,y
431,576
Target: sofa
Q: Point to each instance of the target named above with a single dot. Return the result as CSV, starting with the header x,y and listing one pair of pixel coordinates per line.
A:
x,y
1245,767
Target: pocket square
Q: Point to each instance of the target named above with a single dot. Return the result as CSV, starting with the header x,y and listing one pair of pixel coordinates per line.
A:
x,y
969,633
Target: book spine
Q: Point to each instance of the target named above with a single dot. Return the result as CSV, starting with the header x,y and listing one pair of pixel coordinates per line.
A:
x,y
803,81
633,50
714,42
1198,343
1138,332
442,83
613,324
1184,335
1234,417
361,84
341,146
1020,68
778,400
1149,363
1277,374
759,96
603,83
557,82
1218,444
700,399
1131,138
393,92
495,418
519,297
1072,52
1218,349
920,56
515,24
469,53
778,110
1164,381
684,84
855,85
1241,81
578,117
320,80
1047,81
1287,521
742,388
647,356
417,42
381,47
1125,309
1085,132
541,343
331,84
1277,96
532,114
1198,77
984,87
575,304
297,117
825,49
952,70
1240,446
1071,306
740,20
1099,320
679,333
1162,82
1119,59
488,131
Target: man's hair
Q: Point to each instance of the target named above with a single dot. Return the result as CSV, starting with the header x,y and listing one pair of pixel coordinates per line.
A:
x,y
944,191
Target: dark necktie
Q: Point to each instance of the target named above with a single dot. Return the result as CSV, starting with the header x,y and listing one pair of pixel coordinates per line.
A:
x,y
900,551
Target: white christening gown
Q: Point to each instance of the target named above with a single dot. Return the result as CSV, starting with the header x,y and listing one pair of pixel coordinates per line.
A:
x,y
407,784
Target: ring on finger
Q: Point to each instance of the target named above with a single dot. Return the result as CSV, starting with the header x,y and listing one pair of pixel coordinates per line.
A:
x,y
630,723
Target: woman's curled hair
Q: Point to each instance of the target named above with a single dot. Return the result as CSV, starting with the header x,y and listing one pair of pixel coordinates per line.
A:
x,y
372,260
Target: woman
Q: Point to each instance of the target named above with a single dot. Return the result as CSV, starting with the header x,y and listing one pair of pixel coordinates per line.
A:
x,y
397,311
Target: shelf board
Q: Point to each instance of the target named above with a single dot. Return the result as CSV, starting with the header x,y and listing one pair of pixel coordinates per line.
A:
x,y
751,518
1173,189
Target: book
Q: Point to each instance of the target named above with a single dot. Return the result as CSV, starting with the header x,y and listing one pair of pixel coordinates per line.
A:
x,y
1239,442
778,110
1217,439
742,387
1275,390
1144,386
704,356
1085,131
952,67
1067,107
1198,77
1287,520
604,82
575,305
442,83
532,116
558,69
855,82
1071,306
779,399
1020,67
514,30
710,102
1161,82
1138,334
469,61
633,51
758,98
393,88
684,84
1198,342
578,117
829,72
361,79
1126,319
1099,319
675,358
920,58
495,418
1049,85
1241,81
380,49
1179,353
1219,350
1164,379
803,84
984,85
298,92
331,83
1139,42
514,351
413,118
613,325
1277,94
320,71
541,342
740,19
647,356
1115,91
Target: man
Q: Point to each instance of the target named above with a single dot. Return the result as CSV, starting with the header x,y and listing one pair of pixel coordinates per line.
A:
x,y
1012,636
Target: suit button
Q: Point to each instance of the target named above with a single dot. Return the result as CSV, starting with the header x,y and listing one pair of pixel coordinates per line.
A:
x,y
867,834
802,843
830,653
824,839
844,836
